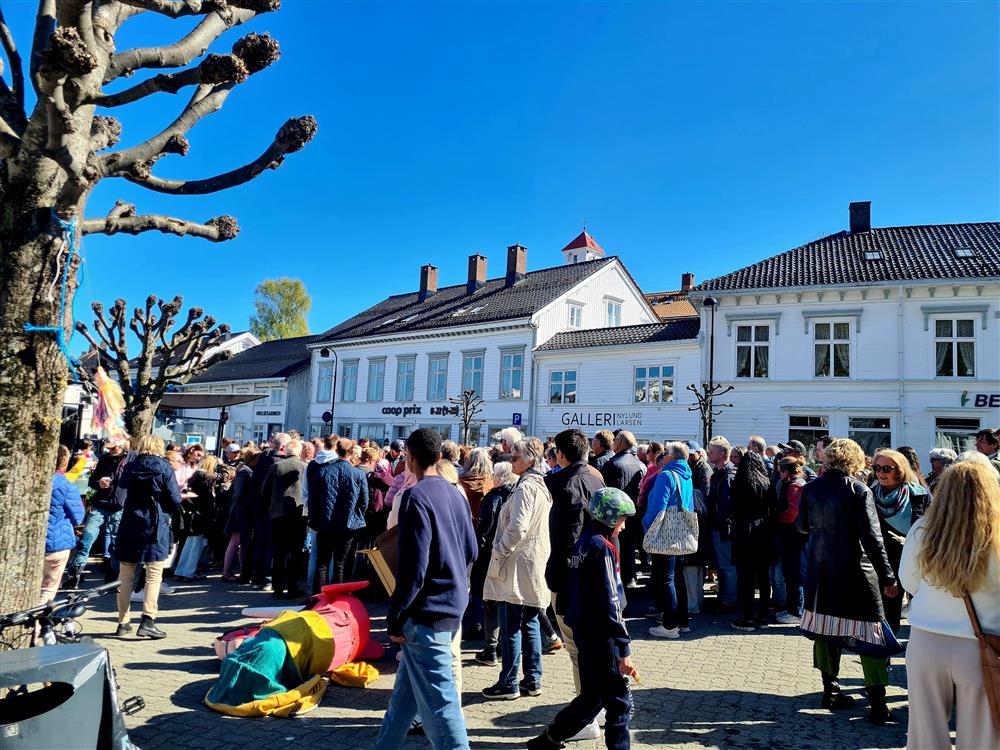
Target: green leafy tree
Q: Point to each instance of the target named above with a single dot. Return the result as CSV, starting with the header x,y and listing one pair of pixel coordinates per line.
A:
x,y
281,306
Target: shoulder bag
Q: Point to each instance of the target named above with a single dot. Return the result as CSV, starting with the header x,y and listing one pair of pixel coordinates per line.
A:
x,y
674,531
989,656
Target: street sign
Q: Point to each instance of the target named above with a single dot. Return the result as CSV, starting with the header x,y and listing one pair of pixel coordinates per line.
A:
x,y
516,421
327,417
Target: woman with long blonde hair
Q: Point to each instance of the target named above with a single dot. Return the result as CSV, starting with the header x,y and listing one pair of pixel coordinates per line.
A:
x,y
951,553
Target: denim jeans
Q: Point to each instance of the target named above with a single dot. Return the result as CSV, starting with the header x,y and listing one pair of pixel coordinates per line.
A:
x,y
187,565
791,567
491,625
727,571
96,520
520,640
669,590
777,579
425,684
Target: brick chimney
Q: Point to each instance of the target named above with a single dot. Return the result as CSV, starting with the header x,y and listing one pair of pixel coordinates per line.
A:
x,y
477,273
861,216
428,282
687,281
517,264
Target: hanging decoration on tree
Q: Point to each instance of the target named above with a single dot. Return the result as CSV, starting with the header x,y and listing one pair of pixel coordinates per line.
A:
x,y
108,407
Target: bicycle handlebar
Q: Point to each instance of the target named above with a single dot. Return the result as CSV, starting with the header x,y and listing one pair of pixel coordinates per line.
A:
x,y
17,618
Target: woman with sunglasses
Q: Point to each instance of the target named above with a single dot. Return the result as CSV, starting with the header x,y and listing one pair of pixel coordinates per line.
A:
x,y
900,500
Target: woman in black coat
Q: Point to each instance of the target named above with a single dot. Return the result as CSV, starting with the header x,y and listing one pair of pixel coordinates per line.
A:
x,y
753,541
151,497
847,572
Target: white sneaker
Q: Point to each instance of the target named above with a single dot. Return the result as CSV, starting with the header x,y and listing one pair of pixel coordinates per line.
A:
x,y
684,629
787,619
661,632
137,596
590,732
166,588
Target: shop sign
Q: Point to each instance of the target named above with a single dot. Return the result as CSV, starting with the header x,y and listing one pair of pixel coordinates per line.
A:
x,y
613,419
401,411
268,413
981,400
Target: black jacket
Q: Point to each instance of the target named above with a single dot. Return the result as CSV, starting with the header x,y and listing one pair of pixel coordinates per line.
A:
x,y
624,471
847,566
113,498
598,461
720,504
486,531
701,474
151,497
571,489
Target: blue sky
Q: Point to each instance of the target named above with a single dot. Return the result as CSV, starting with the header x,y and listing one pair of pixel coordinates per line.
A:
x,y
689,136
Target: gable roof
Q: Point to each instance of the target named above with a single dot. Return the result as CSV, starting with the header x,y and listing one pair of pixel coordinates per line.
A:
x,y
668,305
270,359
454,306
907,254
678,329
584,240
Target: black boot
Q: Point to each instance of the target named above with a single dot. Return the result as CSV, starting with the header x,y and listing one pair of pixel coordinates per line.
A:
x,y
123,630
880,713
832,697
147,629
544,742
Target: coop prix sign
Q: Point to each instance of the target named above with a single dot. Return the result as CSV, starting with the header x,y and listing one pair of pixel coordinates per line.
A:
x,y
413,409
613,419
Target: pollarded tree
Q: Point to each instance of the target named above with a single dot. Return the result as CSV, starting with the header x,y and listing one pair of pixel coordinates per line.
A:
x,y
164,359
52,154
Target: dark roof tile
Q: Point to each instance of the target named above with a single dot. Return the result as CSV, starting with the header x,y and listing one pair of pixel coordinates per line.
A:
x,y
271,359
678,329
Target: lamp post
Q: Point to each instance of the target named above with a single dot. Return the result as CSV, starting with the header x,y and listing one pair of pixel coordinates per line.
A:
x,y
711,303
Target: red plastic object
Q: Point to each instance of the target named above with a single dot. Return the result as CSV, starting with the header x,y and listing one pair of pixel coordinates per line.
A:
x,y
349,622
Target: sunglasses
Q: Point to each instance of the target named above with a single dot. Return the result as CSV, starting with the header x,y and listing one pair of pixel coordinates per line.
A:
x,y
884,468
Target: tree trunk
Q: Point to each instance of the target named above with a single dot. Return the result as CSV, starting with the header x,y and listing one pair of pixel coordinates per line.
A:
x,y
139,422
32,382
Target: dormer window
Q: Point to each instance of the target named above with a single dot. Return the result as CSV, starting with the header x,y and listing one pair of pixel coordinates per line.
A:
x,y
965,252
874,255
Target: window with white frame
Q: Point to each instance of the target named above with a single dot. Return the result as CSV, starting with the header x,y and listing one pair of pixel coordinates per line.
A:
x,y
955,348
372,431
511,374
472,372
349,381
832,350
345,430
437,377
871,433
654,384
808,428
562,387
613,308
575,316
753,350
239,431
957,433
406,368
317,429
257,432
324,383
277,397
376,378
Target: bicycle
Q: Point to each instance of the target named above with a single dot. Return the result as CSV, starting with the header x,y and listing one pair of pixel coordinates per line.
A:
x,y
55,621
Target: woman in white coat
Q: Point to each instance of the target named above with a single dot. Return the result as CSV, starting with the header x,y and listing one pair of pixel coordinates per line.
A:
x,y
952,553
516,576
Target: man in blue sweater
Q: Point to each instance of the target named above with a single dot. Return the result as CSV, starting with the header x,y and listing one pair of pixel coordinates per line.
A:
x,y
436,547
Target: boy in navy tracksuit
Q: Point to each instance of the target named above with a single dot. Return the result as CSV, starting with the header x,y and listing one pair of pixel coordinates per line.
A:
x,y
596,599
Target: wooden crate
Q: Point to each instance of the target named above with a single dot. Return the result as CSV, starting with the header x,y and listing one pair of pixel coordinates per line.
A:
x,y
383,558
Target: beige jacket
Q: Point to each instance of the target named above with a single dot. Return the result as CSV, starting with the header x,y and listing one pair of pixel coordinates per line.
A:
x,y
521,547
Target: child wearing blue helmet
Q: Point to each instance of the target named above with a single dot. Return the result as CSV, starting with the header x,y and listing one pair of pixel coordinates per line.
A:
x,y
596,600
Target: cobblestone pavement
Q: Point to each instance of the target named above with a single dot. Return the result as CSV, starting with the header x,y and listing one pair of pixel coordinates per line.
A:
x,y
715,687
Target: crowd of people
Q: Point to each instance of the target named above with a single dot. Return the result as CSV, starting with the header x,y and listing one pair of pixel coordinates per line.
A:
x,y
533,547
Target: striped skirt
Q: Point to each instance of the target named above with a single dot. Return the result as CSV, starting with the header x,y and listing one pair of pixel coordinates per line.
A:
x,y
869,632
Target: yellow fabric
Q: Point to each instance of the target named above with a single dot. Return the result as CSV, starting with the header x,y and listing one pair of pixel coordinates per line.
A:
x,y
355,674
74,472
295,702
309,640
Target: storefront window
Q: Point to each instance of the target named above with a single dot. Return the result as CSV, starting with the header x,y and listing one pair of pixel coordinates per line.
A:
x,y
957,433
871,433
807,428
345,430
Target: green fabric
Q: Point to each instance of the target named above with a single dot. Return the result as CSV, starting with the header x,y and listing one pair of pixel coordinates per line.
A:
x,y
826,658
261,667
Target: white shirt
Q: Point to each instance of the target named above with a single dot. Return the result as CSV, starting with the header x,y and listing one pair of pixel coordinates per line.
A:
x,y
936,610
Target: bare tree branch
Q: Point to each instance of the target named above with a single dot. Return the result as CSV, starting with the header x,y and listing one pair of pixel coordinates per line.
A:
x,y
10,143
205,100
291,137
16,68
218,229
45,24
195,44
250,54
173,8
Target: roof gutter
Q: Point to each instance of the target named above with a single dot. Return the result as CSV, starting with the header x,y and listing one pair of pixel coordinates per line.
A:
x,y
430,333
749,291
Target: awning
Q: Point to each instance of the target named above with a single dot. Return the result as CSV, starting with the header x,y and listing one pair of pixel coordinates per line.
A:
x,y
207,400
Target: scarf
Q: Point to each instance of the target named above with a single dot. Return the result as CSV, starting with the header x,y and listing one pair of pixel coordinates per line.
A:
x,y
894,506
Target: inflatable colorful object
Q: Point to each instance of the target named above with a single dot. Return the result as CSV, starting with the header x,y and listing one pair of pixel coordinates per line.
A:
x,y
281,667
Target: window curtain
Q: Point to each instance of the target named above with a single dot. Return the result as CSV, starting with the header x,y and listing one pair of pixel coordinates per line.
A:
x,y
966,358
742,361
842,354
822,360
944,358
761,360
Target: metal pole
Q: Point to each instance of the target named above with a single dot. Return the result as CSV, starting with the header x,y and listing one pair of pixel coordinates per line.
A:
x,y
711,376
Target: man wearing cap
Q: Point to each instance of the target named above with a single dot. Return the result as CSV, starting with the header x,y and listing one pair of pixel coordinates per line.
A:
x,y
701,472
231,454
105,512
797,449
397,457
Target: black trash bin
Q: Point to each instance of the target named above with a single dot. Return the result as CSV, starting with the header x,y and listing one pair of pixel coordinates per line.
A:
x,y
71,701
